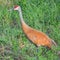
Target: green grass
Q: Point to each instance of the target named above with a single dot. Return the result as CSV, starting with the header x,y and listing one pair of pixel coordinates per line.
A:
x,y
43,15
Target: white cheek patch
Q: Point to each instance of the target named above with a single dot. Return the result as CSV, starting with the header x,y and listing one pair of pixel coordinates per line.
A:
x,y
16,8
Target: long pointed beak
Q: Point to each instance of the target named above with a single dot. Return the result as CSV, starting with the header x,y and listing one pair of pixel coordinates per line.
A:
x,y
11,9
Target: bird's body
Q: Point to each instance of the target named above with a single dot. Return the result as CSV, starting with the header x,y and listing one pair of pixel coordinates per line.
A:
x,y
37,37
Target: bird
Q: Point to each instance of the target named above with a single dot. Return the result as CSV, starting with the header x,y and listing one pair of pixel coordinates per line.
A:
x,y
36,37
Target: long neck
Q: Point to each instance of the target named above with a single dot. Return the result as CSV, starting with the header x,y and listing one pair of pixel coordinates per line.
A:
x,y
20,15
21,18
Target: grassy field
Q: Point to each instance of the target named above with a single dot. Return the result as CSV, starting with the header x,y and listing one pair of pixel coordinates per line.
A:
x,y
43,15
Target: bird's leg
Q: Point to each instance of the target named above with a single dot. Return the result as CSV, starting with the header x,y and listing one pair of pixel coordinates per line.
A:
x,y
37,55
37,49
44,51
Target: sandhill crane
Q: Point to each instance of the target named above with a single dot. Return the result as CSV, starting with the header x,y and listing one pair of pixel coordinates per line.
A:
x,y
37,37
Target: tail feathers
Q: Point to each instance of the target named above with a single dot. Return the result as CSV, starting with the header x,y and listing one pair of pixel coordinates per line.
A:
x,y
54,43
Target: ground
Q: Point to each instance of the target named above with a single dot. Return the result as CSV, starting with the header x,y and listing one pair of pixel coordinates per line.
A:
x,y
43,15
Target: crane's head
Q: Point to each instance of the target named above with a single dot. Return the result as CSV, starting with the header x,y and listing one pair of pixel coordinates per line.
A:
x,y
16,7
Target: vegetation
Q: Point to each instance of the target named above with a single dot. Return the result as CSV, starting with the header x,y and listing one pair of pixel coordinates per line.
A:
x,y
43,15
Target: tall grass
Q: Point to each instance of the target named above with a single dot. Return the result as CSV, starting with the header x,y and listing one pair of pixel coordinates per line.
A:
x,y
43,15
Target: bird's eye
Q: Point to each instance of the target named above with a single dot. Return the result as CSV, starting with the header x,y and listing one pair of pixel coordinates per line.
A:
x,y
16,6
